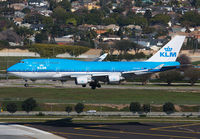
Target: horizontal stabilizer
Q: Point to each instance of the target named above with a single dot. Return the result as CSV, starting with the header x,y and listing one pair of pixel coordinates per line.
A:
x,y
101,58
159,67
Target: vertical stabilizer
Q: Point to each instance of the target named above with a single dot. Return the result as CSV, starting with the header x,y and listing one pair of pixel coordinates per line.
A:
x,y
170,51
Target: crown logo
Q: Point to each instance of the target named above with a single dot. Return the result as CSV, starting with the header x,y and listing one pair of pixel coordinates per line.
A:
x,y
168,49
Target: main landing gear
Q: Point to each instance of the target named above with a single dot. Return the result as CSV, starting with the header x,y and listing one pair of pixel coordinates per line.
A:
x,y
94,85
84,85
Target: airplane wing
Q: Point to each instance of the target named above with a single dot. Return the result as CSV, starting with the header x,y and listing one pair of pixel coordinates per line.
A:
x,y
101,58
135,72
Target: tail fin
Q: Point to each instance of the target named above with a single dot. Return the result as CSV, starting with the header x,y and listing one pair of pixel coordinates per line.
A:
x,y
170,51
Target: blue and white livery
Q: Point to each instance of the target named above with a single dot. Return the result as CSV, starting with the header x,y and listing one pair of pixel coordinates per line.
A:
x,y
91,72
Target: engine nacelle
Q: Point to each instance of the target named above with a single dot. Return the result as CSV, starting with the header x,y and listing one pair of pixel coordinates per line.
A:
x,y
114,79
81,80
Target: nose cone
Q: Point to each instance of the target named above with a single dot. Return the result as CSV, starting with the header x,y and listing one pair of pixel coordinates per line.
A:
x,y
9,69
12,68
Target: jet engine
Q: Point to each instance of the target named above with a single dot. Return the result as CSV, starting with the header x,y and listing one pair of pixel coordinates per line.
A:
x,y
114,79
81,80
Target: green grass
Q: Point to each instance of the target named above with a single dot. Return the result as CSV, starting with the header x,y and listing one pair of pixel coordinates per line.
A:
x,y
110,96
196,63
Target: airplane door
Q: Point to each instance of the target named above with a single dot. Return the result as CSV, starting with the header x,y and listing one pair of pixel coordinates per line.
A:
x,y
34,69
113,69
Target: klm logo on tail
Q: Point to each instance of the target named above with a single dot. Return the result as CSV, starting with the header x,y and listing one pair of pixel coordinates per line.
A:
x,y
168,53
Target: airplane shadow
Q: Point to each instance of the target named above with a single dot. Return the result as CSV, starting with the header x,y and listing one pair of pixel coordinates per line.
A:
x,y
67,122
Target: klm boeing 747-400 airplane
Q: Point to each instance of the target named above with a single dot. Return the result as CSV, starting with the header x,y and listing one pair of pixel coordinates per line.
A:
x,y
92,72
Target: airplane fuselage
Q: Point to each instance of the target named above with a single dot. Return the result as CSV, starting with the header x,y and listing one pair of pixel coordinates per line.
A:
x,y
58,68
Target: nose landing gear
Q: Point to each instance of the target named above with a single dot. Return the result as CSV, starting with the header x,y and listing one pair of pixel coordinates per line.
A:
x,y
26,84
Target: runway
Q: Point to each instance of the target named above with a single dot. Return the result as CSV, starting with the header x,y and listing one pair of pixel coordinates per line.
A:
x,y
123,130
71,84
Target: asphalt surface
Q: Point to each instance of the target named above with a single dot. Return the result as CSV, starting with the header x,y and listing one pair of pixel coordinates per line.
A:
x,y
71,84
124,130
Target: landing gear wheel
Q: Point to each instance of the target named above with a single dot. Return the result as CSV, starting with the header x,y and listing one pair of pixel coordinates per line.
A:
x,y
26,85
93,87
84,85
99,85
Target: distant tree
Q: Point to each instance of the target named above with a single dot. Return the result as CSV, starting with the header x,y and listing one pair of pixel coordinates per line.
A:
x,y
144,78
146,108
60,15
7,11
88,36
192,74
120,32
93,17
148,15
48,23
148,30
33,18
71,21
102,3
11,107
139,20
135,107
119,10
29,104
161,32
52,4
65,4
168,107
5,23
41,37
68,109
138,3
79,108
170,76
4,44
123,46
185,62
191,18
174,3
108,21
24,32
195,3
123,21
127,4
26,10
184,59
160,19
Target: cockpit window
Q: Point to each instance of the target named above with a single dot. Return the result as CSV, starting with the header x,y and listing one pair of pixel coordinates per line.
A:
x,y
21,61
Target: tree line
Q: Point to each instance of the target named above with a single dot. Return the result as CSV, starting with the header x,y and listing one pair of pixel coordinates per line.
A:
x,y
30,104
